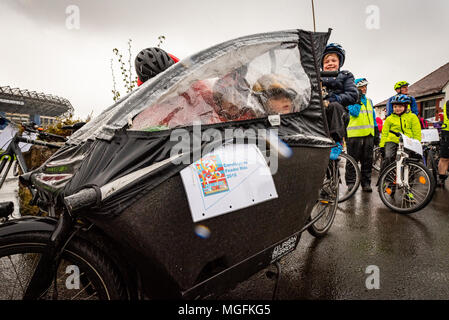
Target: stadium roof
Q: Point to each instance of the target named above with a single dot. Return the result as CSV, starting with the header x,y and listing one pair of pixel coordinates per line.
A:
x,y
31,102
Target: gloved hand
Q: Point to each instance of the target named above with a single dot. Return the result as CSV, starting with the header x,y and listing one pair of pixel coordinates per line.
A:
x,y
354,110
335,151
334,98
382,152
376,136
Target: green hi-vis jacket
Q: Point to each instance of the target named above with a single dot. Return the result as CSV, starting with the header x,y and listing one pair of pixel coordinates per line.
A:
x,y
445,117
407,123
363,125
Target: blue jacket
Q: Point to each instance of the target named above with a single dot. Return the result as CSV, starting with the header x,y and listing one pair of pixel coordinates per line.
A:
x,y
341,89
354,110
413,106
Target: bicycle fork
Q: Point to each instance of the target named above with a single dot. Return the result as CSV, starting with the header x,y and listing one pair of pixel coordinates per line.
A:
x,y
401,179
4,173
47,267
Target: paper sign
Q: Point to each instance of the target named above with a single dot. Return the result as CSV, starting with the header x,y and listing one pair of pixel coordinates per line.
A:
x,y
230,178
412,144
7,134
429,135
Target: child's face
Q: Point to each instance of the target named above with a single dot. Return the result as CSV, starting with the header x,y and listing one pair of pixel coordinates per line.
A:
x,y
363,89
331,62
404,90
398,108
280,105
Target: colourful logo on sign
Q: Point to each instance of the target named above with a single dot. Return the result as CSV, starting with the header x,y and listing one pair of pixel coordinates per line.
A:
x,y
211,174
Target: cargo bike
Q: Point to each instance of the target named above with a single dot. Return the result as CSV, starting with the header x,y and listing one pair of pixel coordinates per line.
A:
x,y
161,196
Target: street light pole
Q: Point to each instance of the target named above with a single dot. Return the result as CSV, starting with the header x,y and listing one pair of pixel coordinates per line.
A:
x,y
313,14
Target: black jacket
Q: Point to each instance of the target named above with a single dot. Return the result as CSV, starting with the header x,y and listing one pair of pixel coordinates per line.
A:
x,y
341,89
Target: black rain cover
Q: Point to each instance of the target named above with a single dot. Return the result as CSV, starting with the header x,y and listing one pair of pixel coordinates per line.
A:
x,y
105,149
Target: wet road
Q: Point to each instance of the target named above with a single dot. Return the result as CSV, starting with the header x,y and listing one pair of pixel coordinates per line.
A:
x,y
410,251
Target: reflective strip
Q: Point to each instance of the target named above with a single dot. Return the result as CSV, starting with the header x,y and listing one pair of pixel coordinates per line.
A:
x,y
361,127
365,111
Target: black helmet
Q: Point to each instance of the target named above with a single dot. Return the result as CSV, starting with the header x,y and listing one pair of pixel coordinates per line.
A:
x,y
150,62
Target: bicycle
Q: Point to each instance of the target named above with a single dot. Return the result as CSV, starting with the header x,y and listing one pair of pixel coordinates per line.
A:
x,y
13,153
325,209
152,248
377,158
405,186
431,156
13,156
346,162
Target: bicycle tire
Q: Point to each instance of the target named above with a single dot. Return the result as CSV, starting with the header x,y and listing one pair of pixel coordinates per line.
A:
x,y
377,159
431,164
95,268
344,194
332,183
389,174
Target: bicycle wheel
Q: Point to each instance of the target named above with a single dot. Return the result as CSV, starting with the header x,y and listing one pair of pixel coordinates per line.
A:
x,y
83,274
326,204
408,198
431,163
377,159
346,162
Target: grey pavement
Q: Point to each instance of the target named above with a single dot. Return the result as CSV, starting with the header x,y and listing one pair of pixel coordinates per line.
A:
x,y
411,252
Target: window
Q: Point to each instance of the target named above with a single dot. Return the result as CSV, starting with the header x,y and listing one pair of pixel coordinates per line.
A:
x,y
428,109
251,82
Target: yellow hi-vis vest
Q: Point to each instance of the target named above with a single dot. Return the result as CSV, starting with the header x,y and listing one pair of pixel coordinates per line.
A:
x,y
445,118
363,125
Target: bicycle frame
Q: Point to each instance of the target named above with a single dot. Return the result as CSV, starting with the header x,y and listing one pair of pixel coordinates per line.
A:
x,y
11,154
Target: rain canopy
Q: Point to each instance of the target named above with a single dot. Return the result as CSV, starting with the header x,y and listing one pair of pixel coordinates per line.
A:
x,y
244,84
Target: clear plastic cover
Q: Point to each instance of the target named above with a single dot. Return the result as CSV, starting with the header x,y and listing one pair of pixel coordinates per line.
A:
x,y
250,82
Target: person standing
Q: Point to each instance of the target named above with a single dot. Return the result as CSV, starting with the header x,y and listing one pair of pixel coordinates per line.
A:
x,y
443,163
363,134
401,87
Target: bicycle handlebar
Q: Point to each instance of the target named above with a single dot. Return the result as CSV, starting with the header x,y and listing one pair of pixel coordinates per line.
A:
x,y
37,142
51,135
84,198
328,73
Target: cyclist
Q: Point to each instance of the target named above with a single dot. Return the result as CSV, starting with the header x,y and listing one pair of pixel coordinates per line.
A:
x,y
151,61
363,134
342,93
401,87
401,121
443,163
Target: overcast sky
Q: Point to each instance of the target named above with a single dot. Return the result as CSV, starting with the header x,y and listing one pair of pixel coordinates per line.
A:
x,y
38,51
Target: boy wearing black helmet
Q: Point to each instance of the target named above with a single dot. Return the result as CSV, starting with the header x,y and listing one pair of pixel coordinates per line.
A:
x,y
342,93
151,61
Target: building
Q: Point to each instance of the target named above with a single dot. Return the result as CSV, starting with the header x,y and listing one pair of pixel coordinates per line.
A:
x,y
431,93
23,105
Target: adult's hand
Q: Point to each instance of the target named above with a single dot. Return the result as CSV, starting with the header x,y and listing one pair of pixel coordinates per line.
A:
x,y
376,136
